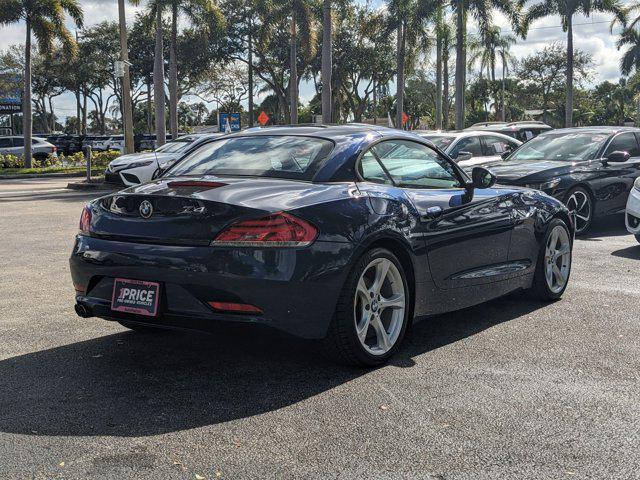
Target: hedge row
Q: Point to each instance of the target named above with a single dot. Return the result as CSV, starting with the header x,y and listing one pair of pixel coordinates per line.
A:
x,y
98,159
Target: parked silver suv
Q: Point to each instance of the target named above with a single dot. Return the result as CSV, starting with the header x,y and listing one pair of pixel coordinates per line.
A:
x,y
40,148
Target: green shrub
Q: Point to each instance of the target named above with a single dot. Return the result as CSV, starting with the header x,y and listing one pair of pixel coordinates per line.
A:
x,y
102,159
11,161
50,161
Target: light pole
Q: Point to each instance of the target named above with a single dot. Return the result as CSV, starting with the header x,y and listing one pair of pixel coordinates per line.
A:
x,y
127,120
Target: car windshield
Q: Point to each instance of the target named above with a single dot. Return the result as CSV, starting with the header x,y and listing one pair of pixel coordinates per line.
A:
x,y
261,155
440,141
174,147
568,147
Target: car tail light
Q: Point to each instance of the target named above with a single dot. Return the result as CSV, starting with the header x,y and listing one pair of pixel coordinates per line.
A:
x,y
85,220
275,230
234,307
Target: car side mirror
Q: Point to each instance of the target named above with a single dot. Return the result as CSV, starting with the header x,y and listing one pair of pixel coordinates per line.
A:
x,y
618,157
462,155
157,173
505,154
483,177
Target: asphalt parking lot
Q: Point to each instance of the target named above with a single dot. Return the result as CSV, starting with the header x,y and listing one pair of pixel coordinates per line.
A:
x,y
510,389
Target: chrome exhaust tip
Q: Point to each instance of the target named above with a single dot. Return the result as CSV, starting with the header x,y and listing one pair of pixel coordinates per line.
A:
x,y
82,310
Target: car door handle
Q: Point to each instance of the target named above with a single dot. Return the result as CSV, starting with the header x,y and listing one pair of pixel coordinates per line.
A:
x,y
432,213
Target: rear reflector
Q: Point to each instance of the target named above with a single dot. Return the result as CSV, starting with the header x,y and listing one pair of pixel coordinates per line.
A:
x,y
275,230
234,307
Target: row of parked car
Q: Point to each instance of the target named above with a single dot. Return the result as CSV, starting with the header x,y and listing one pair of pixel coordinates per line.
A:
x,y
591,169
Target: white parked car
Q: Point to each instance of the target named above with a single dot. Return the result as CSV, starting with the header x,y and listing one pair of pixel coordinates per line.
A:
x,y
472,148
136,168
14,145
632,215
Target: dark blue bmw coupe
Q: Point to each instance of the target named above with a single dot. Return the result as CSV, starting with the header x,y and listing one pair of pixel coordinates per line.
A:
x,y
344,234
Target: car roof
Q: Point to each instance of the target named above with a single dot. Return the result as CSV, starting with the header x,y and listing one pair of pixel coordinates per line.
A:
x,y
605,130
460,134
336,133
511,126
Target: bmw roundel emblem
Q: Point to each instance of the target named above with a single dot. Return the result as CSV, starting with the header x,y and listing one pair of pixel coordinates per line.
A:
x,y
146,209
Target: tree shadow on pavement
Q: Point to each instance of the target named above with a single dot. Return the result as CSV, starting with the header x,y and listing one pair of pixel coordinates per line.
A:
x,y
131,384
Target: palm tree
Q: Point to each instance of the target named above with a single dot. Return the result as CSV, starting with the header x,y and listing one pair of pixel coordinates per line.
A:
x,y
630,61
302,23
45,20
481,11
408,18
505,59
207,16
487,49
566,9
158,78
439,25
326,61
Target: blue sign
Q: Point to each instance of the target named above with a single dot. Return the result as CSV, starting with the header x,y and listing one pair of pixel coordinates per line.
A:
x,y
10,94
229,122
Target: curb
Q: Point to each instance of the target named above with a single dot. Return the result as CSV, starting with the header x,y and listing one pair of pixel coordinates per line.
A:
x,y
45,175
84,186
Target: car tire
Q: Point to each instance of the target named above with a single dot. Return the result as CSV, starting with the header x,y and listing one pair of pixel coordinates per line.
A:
x,y
140,328
371,317
579,201
549,283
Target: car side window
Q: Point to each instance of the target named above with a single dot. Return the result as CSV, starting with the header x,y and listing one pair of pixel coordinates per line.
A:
x,y
18,142
410,164
624,142
497,145
5,142
371,170
467,144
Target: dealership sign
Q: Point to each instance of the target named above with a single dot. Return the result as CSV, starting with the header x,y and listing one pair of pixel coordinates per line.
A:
x,y
229,122
10,94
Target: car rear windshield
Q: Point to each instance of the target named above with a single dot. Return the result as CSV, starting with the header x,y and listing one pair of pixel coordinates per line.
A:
x,y
280,156
440,141
569,147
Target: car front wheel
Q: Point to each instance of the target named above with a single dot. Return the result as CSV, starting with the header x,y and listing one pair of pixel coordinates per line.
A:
x,y
372,313
580,204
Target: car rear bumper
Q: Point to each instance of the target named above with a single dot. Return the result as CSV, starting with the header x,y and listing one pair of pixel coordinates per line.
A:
x,y
296,289
632,215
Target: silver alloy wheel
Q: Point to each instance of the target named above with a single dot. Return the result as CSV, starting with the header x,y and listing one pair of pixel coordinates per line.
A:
x,y
579,204
379,306
557,259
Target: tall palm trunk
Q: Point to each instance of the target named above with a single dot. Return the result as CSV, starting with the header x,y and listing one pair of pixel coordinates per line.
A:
x,y
460,64
158,82
149,114
293,77
26,106
250,61
445,87
173,73
503,107
439,75
569,109
326,61
400,82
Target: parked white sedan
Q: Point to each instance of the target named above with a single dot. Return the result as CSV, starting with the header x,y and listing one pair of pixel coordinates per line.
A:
x,y
471,148
40,148
632,216
136,168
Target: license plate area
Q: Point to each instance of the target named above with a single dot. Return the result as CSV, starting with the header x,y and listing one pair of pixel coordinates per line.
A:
x,y
135,296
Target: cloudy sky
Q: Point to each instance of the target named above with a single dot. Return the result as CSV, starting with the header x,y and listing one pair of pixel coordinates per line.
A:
x,y
590,35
